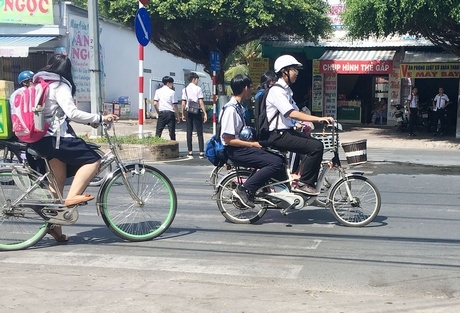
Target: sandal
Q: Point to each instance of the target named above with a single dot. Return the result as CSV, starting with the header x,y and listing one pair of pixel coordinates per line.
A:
x,y
78,199
57,237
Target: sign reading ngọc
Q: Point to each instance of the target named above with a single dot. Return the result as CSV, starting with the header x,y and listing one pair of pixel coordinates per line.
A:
x,y
35,12
430,70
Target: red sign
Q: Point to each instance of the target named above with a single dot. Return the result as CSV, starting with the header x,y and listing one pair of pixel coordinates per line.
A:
x,y
355,67
144,2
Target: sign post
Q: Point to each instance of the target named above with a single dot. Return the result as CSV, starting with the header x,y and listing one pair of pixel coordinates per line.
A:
x,y
215,67
143,27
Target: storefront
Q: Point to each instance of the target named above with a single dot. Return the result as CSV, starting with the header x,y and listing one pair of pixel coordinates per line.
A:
x,y
352,85
428,71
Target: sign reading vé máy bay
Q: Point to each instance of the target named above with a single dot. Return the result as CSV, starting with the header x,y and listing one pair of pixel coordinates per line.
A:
x,y
430,70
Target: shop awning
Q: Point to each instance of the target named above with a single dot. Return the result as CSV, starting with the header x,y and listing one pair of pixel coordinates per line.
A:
x,y
429,65
429,57
18,46
357,62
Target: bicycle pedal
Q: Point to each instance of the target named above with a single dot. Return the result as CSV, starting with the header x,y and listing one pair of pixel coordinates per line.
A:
x,y
76,205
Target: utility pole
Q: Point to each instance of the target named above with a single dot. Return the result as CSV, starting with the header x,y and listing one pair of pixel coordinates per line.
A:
x,y
95,63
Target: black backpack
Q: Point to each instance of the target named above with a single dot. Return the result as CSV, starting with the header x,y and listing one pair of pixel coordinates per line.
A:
x,y
260,115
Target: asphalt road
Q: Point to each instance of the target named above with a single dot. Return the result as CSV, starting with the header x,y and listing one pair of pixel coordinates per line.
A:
x,y
407,260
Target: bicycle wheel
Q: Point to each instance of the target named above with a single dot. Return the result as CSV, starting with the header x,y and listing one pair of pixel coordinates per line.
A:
x,y
20,227
230,207
106,168
217,174
138,221
359,210
332,175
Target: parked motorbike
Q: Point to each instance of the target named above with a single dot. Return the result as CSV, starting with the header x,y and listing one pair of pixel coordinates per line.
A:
x,y
426,116
402,120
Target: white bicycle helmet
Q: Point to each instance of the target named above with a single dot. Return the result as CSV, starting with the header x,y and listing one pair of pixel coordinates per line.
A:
x,y
285,61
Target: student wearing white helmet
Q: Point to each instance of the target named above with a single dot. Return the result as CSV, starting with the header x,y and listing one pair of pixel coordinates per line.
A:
x,y
282,111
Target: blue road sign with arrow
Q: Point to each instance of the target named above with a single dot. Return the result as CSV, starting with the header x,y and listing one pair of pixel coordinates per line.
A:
x,y
143,26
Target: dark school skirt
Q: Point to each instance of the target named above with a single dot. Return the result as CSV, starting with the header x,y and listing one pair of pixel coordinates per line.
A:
x,y
72,151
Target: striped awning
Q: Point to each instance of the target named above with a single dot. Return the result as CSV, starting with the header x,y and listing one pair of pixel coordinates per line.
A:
x,y
429,57
18,46
357,61
359,55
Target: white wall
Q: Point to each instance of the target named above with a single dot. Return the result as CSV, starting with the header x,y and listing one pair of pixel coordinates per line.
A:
x,y
121,66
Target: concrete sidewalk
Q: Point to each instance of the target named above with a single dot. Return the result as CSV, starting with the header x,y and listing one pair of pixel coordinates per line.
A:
x,y
384,144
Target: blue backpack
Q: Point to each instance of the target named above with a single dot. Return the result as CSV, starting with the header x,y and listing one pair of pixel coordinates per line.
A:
x,y
215,149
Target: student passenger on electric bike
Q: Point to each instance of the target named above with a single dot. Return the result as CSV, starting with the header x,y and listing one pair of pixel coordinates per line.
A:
x,y
240,147
281,111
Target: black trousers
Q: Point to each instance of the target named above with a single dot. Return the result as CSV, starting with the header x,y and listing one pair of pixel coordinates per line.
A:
x,y
312,150
269,165
412,119
166,118
197,121
440,115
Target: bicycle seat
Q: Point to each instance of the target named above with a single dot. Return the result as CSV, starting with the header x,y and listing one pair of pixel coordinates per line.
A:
x,y
35,154
276,151
93,145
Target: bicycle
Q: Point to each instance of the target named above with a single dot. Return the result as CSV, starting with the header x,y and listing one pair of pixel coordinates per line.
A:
x,y
137,201
15,152
353,199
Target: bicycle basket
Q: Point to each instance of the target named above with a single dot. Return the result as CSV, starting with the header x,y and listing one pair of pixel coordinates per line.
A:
x,y
326,139
356,152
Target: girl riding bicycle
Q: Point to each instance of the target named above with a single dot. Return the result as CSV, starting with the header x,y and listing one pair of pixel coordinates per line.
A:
x,y
68,155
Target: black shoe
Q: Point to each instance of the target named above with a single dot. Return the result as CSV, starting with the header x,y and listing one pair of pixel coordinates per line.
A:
x,y
307,189
241,194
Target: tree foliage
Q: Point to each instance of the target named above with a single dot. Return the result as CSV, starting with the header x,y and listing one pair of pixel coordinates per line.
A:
x,y
191,29
435,20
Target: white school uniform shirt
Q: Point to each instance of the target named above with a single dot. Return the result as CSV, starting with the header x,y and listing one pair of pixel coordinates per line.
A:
x,y
280,99
440,101
166,98
413,101
231,119
194,93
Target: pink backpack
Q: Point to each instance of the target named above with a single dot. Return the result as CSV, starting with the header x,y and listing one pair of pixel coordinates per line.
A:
x,y
27,111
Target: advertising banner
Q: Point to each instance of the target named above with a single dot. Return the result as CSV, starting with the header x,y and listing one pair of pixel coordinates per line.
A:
x,y
430,70
377,67
317,89
257,67
34,12
80,56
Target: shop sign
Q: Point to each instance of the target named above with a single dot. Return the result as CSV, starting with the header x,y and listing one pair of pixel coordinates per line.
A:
x,y
317,89
430,70
355,67
257,67
36,12
14,52
80,54
330,95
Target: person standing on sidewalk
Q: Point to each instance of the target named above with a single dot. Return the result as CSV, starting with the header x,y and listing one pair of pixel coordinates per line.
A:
x,y
412,104
165,104
440,102
194,113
